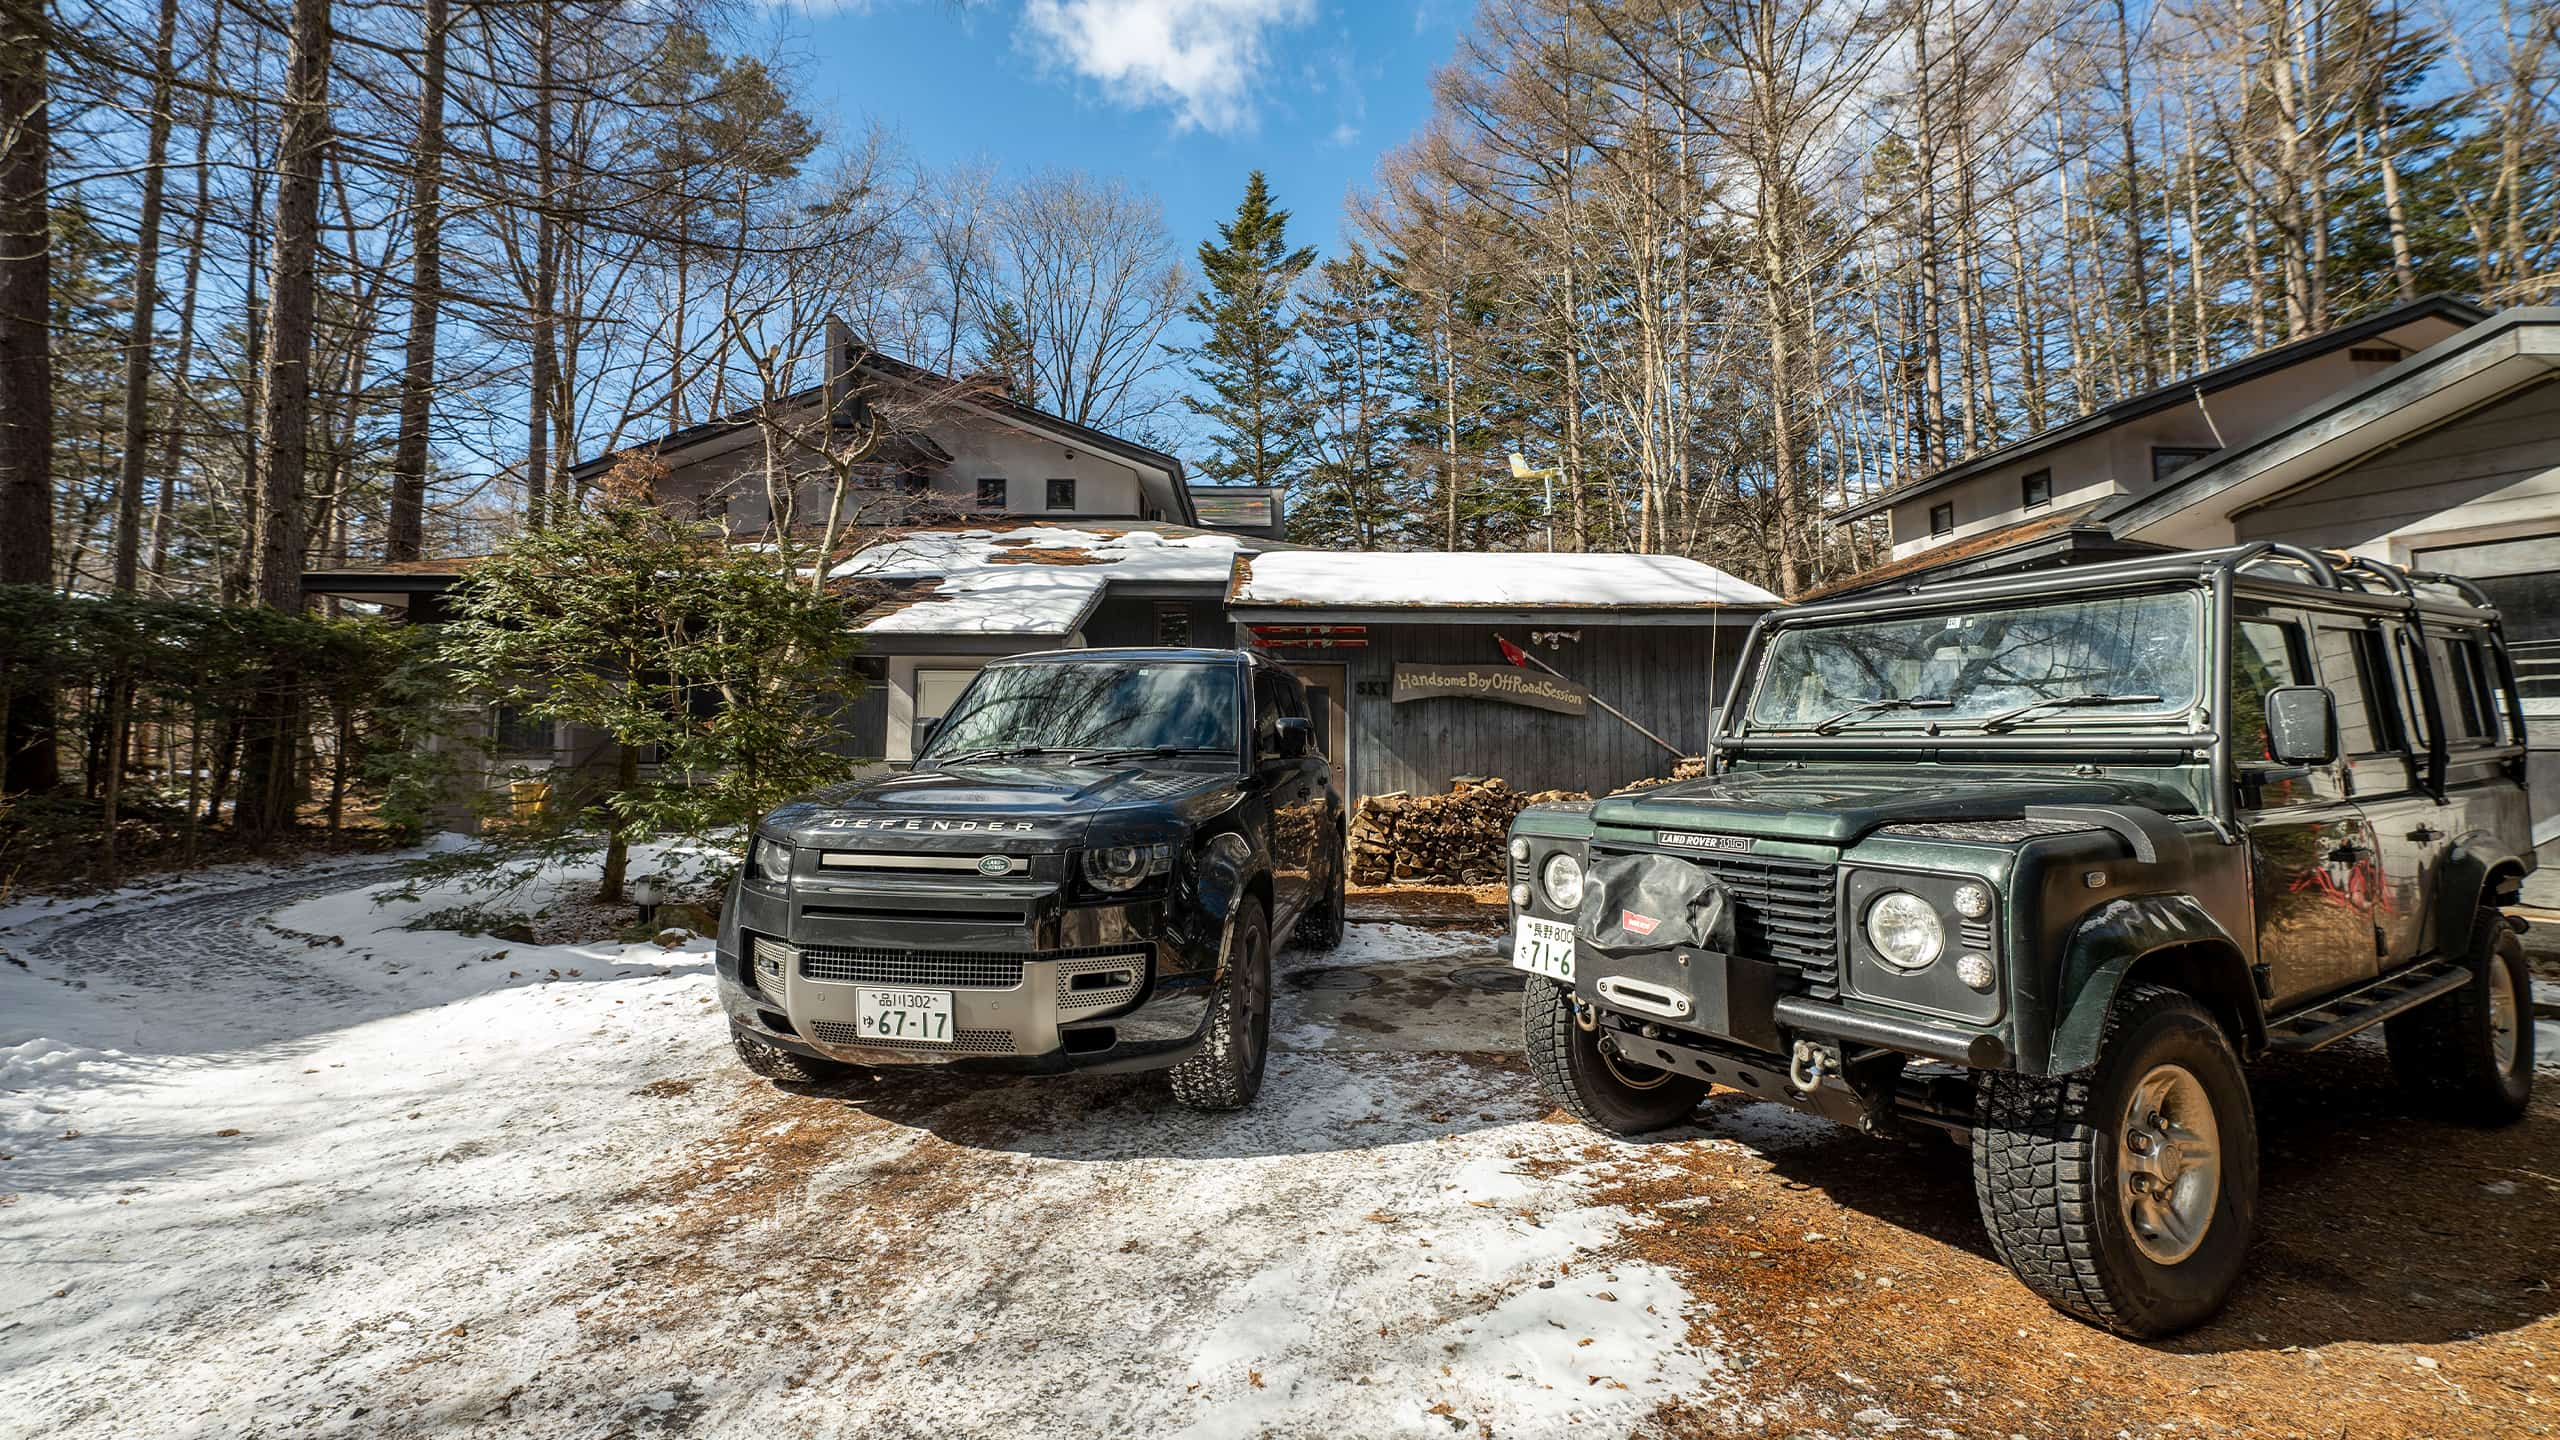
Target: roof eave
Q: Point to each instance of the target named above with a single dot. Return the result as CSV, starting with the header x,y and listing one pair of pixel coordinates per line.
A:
x,y
2151,402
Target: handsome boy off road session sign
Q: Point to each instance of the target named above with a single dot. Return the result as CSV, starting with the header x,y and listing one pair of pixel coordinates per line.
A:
x,y
1503,683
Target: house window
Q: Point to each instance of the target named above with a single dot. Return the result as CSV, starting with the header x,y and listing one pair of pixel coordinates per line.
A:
x,y
2037,489
2167,460
914,482
2521,576
516,733
1173,624
1942,519
935,691
1062,494
991,493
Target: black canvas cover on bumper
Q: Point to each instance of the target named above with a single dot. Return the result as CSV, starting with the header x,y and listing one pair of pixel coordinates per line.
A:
x,y
1633,903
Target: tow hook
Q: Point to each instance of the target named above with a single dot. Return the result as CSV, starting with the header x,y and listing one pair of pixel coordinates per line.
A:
x,y
1808,1065
1585,1016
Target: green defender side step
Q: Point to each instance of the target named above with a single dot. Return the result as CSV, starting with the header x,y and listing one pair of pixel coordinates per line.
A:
x,y
2320,1025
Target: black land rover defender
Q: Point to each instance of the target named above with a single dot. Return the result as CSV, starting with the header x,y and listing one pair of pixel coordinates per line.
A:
x,y
1084,870
2041,861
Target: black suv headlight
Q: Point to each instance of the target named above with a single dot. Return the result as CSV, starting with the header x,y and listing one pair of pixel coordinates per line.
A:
x,y
769,861
1116,869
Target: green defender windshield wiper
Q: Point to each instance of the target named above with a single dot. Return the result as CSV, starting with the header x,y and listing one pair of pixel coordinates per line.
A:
x,y
1876,707
2008,719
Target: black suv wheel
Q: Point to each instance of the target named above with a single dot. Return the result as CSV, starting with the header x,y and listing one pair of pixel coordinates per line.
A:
x,y
2124,1195
1320,928
1227,1073
775,1063
2470,1054
1590,1084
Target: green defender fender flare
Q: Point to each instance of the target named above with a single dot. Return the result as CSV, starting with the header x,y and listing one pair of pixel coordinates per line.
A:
x,y
2121,934
2474,871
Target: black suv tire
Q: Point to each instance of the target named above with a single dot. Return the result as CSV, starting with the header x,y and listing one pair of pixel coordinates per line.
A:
x,y
1227,1073
1320,928
2446,1052
775,1063
2061,1165
1586,1083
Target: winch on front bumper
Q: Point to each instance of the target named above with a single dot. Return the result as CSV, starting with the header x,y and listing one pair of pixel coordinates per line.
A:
x,y
1758,1006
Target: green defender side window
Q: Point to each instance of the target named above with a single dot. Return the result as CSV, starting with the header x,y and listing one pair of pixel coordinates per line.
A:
x,y
2266,653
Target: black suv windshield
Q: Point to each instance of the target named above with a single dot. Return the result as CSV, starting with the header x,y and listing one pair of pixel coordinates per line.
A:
x,y
2085,659
1067,706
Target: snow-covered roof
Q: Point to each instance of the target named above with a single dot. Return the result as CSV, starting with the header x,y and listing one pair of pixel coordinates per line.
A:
x,y
1026,579
1431,580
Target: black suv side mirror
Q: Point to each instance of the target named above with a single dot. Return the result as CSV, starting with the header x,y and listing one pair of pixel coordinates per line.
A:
x,y
2302,725
1293,736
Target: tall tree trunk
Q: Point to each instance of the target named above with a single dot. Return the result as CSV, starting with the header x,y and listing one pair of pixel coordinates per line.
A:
x,y
266,802
405,527
545,380
26,372
2146,361
134,463
173,434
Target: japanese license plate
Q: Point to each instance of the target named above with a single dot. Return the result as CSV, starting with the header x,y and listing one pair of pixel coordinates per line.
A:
x,y
917,1016
1543,947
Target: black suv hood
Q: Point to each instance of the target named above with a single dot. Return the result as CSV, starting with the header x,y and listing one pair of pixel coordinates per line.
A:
x,y
1837,806
965,807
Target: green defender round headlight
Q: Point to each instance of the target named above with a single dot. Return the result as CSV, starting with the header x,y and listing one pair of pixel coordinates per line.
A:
x,y
1562,880
773,861
1905,930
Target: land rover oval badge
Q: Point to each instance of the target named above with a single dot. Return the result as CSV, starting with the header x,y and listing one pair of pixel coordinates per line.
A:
x,y
994,864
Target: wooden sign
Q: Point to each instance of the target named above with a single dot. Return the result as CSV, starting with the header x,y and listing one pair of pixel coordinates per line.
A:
x,y
1501,683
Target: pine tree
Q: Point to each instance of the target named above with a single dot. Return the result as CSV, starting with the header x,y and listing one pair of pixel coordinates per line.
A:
x,y
1243,304
1350,494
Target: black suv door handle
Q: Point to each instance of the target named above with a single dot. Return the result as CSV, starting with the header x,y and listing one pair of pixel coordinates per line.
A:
x,y
2426,832
1305,790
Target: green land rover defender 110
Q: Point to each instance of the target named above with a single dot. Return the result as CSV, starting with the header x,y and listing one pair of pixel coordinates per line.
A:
x,y
2043,861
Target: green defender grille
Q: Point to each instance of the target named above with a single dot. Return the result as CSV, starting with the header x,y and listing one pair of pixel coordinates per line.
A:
x,y
1784,909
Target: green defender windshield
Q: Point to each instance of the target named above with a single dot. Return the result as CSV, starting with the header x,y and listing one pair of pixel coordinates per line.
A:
x,y
2053,663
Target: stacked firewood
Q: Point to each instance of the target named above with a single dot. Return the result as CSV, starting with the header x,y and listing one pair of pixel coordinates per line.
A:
x,y
1457,837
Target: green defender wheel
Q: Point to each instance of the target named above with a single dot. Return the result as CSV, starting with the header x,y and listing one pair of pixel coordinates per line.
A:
x,y
2125,1194
2469,1055
1590,1084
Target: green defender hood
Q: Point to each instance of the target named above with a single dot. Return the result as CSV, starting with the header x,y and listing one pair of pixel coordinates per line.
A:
x,y
1837,805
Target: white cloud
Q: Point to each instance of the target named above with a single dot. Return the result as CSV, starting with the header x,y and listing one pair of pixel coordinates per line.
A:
x,y
1200,57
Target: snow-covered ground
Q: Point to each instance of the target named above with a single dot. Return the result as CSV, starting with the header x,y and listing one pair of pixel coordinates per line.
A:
x,y
275,1166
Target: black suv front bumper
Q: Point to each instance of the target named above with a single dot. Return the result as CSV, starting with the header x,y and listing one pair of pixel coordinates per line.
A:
x,y
1040,981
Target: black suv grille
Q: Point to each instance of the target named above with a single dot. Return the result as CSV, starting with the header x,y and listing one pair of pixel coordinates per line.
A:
x,y
874,965
945,969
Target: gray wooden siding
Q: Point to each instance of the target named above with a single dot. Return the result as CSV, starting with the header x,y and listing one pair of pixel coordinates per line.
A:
x,y
2509,449
1659,674
1131,620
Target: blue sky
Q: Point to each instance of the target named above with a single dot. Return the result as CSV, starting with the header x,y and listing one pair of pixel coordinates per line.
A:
x,y
1181,97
